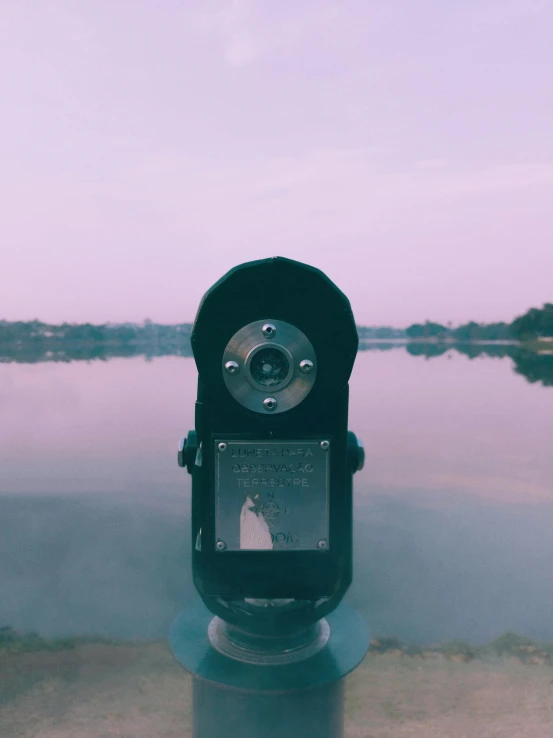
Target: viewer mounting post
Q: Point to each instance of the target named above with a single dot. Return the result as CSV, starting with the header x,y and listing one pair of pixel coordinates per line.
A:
x,y
272,463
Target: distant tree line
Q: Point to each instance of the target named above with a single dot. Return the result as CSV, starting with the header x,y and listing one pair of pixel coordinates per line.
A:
x,y
35,331
33,342
536,323
468,332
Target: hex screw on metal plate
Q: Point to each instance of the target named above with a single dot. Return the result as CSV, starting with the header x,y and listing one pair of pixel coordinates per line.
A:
x,y
269,330
232,367
325,445
306,366
220,545
322,544
222,446
269,403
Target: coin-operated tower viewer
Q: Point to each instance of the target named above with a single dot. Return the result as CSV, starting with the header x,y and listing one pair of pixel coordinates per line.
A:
x,y
272,461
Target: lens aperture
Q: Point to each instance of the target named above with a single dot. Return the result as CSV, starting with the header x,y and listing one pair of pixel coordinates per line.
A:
x,y
269,367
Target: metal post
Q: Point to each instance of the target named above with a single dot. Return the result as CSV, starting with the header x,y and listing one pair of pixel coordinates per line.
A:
x,y
222,713
250,686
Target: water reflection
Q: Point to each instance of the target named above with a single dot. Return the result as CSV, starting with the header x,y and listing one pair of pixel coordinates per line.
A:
x,y
120,567
453,510
534,366
66,351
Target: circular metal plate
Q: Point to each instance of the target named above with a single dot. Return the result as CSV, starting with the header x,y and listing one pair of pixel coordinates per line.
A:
x,y
280,376
344,650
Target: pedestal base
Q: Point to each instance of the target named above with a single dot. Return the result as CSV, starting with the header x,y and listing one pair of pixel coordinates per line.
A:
x,y
235,698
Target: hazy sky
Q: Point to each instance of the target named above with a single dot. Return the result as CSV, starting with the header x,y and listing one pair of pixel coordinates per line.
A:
x,y
405,147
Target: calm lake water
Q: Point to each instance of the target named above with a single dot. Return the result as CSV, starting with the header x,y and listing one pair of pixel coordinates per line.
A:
x,y
453,511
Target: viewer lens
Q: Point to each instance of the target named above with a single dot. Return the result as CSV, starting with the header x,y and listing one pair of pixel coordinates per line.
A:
x,y
269,367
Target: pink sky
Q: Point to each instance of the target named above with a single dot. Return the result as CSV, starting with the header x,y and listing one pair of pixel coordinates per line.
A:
x,y
405,147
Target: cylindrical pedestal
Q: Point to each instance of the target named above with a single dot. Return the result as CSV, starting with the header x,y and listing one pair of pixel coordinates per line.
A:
x,y
272,697
223,713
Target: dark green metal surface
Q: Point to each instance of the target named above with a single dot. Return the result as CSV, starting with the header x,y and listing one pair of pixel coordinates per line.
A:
x,y
308,713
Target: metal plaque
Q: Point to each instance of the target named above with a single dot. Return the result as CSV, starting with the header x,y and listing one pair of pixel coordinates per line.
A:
x,y
271,495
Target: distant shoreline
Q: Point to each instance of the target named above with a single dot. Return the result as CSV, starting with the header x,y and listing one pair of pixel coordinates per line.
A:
x,y
58,344
531,359
535,345
38,349
445,341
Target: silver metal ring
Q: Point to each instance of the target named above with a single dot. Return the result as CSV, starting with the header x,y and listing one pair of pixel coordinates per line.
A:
x,y
268,651
292,388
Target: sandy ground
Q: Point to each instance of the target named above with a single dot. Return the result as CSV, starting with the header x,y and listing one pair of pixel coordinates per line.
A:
x,y
138,691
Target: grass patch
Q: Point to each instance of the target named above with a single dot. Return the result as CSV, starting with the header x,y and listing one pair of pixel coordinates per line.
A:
x,y
13,642
508,645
